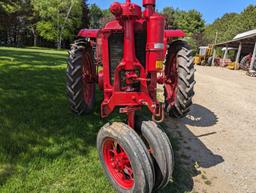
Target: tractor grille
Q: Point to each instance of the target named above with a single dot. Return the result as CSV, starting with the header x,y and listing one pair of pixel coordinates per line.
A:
x,y
115,50
116,43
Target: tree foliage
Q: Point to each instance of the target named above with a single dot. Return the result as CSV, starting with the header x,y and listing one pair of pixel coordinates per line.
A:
x,y
58,18
190,22
14,19
169,14
24,22
85,15
95,15
98,17
56,22
107,17
230,25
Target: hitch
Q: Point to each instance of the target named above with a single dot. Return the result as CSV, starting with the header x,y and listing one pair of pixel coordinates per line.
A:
x,y
158,116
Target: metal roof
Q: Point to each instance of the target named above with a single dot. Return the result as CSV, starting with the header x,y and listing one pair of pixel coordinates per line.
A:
x,y
245,34
247,39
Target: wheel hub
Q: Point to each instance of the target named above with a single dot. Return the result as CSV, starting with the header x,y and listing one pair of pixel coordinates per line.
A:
x,y
118,163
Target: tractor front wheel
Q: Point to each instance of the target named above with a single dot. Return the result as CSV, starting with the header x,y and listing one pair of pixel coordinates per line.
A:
x,y
81,73
179,87
125,159
159,147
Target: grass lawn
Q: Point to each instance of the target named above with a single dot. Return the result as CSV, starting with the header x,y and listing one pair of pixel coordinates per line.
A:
x,y
43,146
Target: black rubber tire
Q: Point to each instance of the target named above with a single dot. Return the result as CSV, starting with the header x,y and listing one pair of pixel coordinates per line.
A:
x,y
203,63
245,62
209,61
251,74
186,80
74,84
137,152
160,149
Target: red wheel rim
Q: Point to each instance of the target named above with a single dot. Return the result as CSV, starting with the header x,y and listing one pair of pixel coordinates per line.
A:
x,y
172,80
118,164
87,78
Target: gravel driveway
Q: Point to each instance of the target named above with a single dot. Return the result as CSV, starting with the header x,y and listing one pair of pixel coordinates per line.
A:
x,y
217,140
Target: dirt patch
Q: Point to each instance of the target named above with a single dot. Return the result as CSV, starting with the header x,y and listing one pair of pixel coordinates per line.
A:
x,y
217,140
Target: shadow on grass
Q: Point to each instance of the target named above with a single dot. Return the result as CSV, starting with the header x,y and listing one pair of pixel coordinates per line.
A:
x,y
33,57
190,152
36,124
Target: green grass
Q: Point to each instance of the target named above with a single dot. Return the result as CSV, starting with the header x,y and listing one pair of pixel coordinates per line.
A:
x,y
43,146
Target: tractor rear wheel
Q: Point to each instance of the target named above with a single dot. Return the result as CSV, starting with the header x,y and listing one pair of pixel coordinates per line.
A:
x,y
125,159
160,149
179,87
245,62
81,72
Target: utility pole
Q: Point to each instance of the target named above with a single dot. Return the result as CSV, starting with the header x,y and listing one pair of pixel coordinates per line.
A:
x,y
216,38
214,49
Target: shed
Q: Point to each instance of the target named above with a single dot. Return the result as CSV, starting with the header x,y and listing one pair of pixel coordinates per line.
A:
x,y
243,42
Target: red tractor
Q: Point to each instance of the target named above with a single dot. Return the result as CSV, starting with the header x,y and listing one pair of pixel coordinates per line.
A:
x,y
130,59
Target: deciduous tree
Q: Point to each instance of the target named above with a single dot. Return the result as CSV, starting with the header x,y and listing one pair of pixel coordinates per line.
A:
x,y
95,14
59,18
231,24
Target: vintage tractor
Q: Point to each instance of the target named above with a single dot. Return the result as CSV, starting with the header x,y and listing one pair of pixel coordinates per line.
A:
x,y
204,57
130,59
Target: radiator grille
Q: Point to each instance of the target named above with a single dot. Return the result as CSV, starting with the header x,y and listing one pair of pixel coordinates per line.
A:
x,y
116,42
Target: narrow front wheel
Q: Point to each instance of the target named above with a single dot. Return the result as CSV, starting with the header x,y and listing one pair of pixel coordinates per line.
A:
x,y
160,149
125,159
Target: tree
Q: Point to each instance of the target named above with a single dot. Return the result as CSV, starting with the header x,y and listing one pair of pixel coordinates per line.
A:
x,y
18,22
168,13
58,18
3,26
231,24
224,26
95,15
190,21
10,21
107,16
248,18
85,15
32,18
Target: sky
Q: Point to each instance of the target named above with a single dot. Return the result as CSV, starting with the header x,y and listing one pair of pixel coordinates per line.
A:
x,y
210,9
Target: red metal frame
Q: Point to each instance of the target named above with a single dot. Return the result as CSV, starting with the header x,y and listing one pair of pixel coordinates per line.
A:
x,y
88,33
88,77
171,80
129,18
